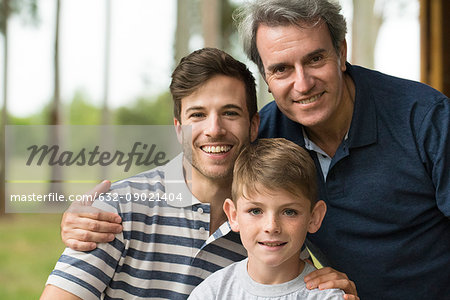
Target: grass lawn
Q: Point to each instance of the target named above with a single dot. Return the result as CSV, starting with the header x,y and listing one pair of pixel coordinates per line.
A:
x,y
29,248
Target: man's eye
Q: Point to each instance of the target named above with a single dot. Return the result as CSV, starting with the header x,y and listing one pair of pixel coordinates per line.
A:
x,y
279,69
231,113
197,115
316,59
290,212
255,211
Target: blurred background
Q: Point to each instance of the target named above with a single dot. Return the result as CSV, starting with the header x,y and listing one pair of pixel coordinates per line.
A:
x,y
109,62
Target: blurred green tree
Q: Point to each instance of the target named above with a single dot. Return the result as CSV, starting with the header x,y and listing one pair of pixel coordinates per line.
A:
x,y
28,10
81,112
146,111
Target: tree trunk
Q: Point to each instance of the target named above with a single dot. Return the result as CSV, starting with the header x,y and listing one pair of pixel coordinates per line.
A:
x,y
365,27
106,116
55,111
55,114
105,111
182,34
211,23
4,121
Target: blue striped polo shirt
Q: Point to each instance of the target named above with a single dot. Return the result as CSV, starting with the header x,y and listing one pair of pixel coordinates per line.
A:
x,y
165,249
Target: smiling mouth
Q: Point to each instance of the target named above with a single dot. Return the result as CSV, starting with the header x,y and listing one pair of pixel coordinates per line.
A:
x,y
309,100
216,149
274,244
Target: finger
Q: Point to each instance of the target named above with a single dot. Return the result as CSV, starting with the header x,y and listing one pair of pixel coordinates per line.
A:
x,y
344,284
324,272
328,281
80,246
89,236
73,237
78,212
105,217
90,223
100,188
314,281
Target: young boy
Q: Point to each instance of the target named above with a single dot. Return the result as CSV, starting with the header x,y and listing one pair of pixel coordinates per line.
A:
x,y
275,204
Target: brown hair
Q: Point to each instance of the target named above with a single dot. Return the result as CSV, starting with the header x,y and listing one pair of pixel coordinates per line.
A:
x,y
274,164
200,66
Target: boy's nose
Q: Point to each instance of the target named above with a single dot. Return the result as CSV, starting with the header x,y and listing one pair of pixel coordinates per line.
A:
x,y
272,225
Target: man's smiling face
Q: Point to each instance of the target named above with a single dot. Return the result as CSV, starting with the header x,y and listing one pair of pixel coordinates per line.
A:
x,y
220,126
303,71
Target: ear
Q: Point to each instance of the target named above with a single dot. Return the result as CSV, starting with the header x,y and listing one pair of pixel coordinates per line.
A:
x,y
230,210
254,125
178,130
317,215
343,55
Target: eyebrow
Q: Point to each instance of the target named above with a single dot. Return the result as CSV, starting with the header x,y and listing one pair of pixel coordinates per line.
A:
x,y
227,106
290,204
233,106
314,53
194,108
306,57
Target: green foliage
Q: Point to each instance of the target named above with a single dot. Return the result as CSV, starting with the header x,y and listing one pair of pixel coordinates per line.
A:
x,y
26,9
81,112
144,111
147,112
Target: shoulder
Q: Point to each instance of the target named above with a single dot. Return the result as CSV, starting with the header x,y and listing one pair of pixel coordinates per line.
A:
x,y
390,89
316,294
218,283
396,101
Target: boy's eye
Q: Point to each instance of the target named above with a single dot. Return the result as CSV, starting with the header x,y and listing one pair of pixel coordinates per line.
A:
x,y
290,212
255,211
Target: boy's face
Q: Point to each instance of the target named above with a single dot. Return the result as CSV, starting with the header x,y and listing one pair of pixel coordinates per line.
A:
x,y
218,117
273,225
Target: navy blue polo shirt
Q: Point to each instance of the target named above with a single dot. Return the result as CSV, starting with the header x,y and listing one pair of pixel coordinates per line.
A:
x,y
387,189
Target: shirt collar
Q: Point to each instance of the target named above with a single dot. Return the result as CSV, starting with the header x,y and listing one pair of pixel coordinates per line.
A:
x,y
363,128
175,184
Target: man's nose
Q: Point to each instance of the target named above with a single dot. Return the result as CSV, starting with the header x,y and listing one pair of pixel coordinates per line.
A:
x,y
303,80
214,126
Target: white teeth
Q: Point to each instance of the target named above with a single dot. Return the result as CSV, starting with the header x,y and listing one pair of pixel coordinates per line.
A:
x,y
216,149
271,244
310,100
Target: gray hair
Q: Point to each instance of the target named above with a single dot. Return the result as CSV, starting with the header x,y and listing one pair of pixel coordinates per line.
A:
x,y
287,12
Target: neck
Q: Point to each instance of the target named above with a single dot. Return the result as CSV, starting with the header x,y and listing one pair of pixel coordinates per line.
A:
x,y
265,274
213,191
329,136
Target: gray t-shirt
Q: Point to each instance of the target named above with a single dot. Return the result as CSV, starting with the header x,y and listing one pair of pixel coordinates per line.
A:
x,y
233,282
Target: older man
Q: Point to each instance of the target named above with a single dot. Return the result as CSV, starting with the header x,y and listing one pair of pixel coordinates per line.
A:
x,y
381,146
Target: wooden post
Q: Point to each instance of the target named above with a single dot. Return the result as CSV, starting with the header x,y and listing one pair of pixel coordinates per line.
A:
x,y
435,44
